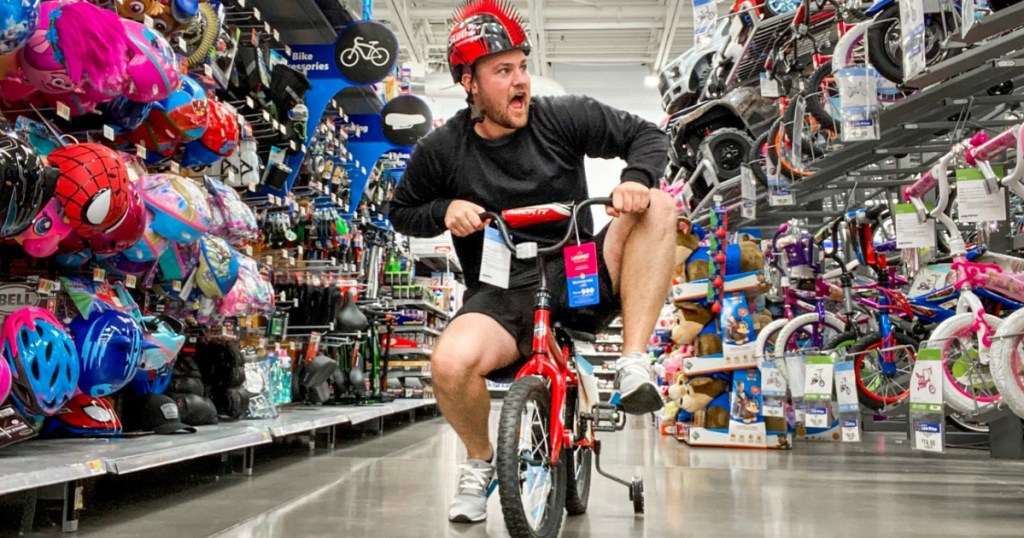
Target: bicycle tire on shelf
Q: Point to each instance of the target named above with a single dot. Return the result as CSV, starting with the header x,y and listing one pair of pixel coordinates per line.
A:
x,y
1005,362
523,390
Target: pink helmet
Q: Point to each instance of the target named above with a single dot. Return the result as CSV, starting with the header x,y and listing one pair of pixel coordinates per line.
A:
x,y
5,380
48,229
75,43
153,72
128,231
180,210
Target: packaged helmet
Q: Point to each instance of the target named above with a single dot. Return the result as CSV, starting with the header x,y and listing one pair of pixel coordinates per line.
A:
x,y
183,115
18,18
125,233
93,187
110,345
151,381
231,218
73,44
164,334
180,211
120,265
218,141
179,260
481,28
218,267
42,360
26,186
84,416
48,229
149,247
125,115
153,68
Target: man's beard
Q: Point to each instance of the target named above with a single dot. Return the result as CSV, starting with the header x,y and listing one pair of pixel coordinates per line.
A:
x,y
497,111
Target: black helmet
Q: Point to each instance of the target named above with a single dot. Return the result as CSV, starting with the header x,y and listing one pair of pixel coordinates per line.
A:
x,y
26,185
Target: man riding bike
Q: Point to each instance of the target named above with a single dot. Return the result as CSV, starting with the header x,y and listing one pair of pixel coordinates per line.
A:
x,y
508,150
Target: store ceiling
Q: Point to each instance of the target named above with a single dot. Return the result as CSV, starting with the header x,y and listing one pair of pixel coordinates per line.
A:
x,y
596,32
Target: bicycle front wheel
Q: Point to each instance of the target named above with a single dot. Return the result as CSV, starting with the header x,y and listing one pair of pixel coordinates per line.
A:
x,y
969,383
531,488
1007,362
578,459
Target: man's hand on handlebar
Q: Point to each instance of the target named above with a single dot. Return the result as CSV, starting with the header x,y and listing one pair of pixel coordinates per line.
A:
x,y
463,218
629,197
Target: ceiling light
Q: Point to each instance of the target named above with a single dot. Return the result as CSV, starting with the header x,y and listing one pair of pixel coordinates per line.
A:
x,y
651,81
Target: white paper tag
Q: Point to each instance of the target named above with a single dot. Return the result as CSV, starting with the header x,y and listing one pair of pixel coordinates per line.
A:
x,y
795,366
910,233
256,13
147,20
140,150
851,430
108,132
928,437
175,167
913,42
774,408
63,110
207,70
818,378
926,384
748,193
525,251
182,46
496,261
249,102
769,87
99,275
772,381
130,281
974,204
817,417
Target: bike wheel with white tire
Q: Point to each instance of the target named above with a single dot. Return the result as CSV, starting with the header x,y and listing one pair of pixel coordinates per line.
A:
x,y
969,383
531,489
1007,362
578,459
766,338
875,388
808,333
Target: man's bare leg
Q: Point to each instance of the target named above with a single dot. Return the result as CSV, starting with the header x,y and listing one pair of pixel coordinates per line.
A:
x,y
471,346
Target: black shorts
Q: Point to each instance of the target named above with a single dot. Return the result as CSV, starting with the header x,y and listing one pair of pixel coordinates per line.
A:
x,y
513,308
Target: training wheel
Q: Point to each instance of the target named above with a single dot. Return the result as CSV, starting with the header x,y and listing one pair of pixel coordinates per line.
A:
x,y
636,494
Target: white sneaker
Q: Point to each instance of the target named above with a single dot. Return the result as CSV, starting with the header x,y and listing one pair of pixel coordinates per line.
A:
x,y
476,482
635,381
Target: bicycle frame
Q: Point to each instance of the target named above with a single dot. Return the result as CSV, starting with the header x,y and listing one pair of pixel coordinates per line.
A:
x,y
548,359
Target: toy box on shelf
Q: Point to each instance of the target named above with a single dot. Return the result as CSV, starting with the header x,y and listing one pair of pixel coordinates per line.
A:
x,y
716,292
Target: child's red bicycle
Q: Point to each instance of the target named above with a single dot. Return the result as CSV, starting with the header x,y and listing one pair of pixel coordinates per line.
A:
x,y
546,434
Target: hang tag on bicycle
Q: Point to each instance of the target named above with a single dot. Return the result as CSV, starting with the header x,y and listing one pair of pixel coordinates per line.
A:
x,y
581,274
849,406
910,232
858,103
496,261
818,390
795,363
705,19
779,192
773,388
974,203
769,87
927,417
913,43
967,9
748,193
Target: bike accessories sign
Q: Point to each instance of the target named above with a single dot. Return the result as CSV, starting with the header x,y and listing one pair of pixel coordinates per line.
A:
x,y
405,120
366,52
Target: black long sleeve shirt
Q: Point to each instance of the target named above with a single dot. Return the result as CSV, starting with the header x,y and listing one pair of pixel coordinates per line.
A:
x,y
540,163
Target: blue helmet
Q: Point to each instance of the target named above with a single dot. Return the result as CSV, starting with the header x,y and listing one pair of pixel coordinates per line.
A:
x,y
42,360
151,381
110,345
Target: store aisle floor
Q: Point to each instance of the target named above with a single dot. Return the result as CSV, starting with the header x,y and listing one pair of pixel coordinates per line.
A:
x,y
398,485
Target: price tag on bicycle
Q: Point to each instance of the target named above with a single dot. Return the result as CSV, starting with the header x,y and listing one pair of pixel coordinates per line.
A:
x,y
927,416
581,274
773,390
818,377
849,406
496,261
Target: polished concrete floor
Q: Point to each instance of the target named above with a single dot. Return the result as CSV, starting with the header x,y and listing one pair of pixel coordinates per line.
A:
x,y
399,484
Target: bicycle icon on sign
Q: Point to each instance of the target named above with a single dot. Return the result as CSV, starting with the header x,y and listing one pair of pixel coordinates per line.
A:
x,y
362,50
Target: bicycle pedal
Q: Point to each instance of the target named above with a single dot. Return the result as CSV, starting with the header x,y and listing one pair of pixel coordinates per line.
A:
x,y
608,417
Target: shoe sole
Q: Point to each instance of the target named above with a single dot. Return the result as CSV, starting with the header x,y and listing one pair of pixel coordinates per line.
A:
x,y
466,519
643,399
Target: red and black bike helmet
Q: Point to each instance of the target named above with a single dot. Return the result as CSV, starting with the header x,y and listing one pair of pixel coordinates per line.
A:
x,y
481,28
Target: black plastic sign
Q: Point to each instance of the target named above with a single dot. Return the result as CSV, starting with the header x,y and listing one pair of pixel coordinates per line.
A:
x,y
366,52
405,119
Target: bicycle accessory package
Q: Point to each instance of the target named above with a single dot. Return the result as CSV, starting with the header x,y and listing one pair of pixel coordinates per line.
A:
x,y
93,187
110,345
84,416
42,361
483,27
26,187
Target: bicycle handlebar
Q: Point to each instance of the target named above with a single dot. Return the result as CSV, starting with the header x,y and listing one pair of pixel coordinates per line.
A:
x,y
499,220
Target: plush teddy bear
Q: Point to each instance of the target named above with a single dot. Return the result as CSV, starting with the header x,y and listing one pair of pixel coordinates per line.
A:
x,y
697,395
